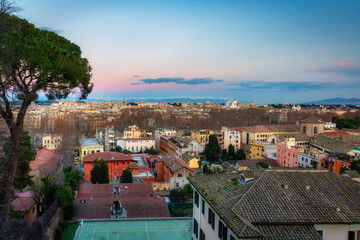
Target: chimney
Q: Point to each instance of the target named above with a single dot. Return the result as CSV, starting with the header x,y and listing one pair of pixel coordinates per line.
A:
x,y
285,186
307,187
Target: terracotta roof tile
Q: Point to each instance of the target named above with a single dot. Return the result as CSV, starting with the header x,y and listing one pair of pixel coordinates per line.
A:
x,y
108,156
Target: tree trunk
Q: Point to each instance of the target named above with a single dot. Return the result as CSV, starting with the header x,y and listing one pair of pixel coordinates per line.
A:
x,y
10,173
7,182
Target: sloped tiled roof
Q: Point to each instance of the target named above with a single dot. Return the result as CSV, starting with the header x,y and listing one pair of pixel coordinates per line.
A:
x,y
222,191
281,202
45,157
24,201
272,128
311,120
173,164
329,199
332,144
107,156
294,232
352,173
297,136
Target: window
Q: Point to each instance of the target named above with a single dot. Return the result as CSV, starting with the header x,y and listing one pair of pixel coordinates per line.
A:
x,y
202,235
203,207
179,175
195,230
320,232
197,199
354,235
116,163
304,129
232,237
315,130
222,234
211,218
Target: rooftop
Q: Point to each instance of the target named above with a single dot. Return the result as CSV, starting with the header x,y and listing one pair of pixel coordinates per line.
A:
x,y
311,119
107,156
94,201
332,144
281,201
89,142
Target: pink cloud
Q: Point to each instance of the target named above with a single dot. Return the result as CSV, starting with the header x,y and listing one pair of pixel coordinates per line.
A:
x,y
345,66
312,67
346,62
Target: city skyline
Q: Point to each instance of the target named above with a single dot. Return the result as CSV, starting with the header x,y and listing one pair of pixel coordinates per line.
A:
x,y
268,52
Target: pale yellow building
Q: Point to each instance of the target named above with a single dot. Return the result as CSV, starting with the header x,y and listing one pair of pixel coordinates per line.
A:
x,y
262,132
133,132
90,146
190,160
257,150
202,136
52,141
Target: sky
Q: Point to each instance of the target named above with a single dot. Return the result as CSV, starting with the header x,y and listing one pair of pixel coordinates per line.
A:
x,y
267,51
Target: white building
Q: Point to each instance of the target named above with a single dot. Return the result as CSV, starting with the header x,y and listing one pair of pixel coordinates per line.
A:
x,y
230,136
136,144
305,160
231,104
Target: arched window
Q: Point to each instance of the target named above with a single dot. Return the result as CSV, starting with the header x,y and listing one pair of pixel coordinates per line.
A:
x,y
315,130
304,129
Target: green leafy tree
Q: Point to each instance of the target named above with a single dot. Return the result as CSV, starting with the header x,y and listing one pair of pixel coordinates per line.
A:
x,y
207,170
126,176
314,164
117,149
231,151
188,190
100,172
46,193
66,198
32,61
177,195
152,151
355,165
212,149
240,155
262,164
72,177
224,154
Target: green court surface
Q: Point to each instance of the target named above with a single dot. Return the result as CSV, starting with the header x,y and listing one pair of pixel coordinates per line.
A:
x,y
147,230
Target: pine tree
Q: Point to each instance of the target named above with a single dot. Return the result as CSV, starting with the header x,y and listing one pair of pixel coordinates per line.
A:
x,y
126,176
212,149
100,172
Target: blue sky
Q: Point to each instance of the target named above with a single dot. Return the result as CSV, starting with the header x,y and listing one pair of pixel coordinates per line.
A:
x,y
267,51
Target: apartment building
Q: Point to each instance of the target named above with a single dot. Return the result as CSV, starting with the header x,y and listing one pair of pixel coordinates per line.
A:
x,y
52,141
275,204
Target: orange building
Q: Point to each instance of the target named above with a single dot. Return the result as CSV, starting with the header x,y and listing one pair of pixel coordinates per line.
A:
x,y
117,163
335,164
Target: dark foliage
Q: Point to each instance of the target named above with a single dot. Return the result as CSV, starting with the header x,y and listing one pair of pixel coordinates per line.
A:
x,y
126,176
100,172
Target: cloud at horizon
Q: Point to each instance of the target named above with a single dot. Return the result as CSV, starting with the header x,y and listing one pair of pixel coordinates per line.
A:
x,y
191,81
290,86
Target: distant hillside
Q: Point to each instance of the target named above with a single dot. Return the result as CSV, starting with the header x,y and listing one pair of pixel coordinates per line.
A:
x,y
346,101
